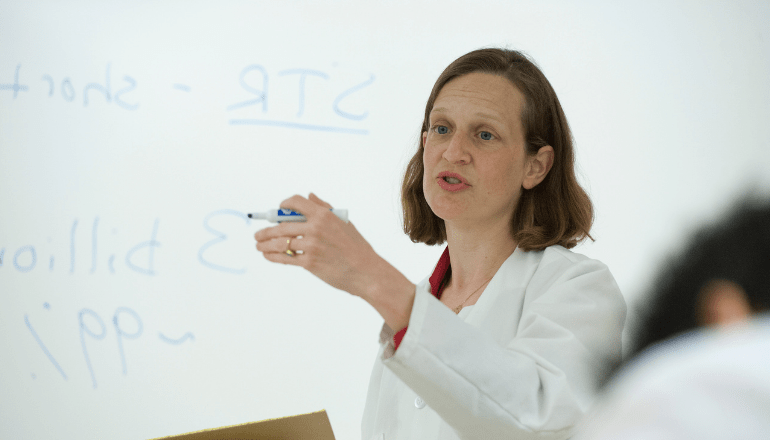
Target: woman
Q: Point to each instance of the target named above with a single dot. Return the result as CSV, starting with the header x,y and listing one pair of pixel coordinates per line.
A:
x,y
509,336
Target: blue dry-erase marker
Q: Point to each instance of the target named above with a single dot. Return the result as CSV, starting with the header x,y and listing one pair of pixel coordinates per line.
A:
x,y
287,215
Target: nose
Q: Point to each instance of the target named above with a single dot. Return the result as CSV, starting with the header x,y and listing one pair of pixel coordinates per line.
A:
x,y
457,150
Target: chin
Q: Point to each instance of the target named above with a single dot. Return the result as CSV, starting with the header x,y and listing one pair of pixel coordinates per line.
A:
x,y
446,209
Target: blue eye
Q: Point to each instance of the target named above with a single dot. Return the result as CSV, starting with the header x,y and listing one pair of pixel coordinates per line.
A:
x,y
442,129
487,136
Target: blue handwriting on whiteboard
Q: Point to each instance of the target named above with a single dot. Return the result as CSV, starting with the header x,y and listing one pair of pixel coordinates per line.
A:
x,y
140,258
253,79
220,237
260,99
102,89
16,87
126,324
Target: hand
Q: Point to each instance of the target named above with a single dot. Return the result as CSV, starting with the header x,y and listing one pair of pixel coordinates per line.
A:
x,y
331,249
335,252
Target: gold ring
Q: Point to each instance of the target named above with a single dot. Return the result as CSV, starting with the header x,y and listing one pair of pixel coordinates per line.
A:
x,y
288,251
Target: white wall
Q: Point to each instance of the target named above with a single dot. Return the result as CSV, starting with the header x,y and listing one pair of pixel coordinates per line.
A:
x,y
108,208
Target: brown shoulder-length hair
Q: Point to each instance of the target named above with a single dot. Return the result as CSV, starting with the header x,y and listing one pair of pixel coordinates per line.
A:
x,y
555,212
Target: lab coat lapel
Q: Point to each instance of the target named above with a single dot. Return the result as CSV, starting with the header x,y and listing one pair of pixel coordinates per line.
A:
x,y
498,309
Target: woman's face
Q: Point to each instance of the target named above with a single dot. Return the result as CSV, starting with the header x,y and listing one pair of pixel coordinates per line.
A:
x,y
475,134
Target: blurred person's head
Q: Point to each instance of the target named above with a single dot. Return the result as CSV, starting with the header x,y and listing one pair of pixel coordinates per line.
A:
x,y
722,276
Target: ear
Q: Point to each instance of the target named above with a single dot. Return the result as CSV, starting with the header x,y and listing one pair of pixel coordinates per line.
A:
x,y
722,302
538,166
424,138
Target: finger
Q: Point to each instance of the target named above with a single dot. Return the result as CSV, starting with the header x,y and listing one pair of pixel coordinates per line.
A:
x,y
273,245
302,205
314,198
279,257
280,245
285,229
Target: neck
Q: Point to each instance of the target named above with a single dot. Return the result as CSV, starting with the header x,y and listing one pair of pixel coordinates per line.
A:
x,y
477,253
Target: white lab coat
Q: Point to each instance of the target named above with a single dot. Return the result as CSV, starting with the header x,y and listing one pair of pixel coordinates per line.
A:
x,y
524,362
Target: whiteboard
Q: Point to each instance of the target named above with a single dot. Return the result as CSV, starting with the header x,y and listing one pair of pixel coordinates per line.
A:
x,y
135,135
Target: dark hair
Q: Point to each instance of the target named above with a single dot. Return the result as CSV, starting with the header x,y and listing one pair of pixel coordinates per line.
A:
x,y
736,249
558,210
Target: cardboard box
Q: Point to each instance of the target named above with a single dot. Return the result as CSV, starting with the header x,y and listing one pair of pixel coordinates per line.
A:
x,y
312,426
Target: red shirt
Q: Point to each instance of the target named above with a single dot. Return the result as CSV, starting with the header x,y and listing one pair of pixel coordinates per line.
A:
x,y
437,280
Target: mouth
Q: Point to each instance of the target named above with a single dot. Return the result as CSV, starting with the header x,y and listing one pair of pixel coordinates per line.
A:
x,y
452,178
452,182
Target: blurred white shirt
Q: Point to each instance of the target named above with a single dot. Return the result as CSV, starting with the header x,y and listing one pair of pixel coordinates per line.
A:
x,y
710,384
